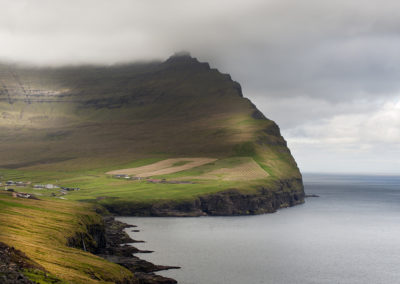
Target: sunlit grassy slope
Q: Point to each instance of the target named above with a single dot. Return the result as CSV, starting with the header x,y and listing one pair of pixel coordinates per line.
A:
x,y
70,126
40,229
95,184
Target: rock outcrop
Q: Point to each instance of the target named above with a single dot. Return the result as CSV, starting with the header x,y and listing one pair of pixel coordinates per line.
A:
x,y
14,263
109,241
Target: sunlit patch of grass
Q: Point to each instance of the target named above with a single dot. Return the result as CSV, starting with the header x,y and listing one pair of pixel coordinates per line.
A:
x,y
95,183
40,229
41,277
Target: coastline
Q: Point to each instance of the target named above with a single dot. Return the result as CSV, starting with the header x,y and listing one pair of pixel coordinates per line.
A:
x,y
118,248
230,202
100,234
110,241
337,228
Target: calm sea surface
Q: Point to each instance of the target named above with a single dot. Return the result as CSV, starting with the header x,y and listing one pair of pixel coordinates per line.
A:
x,y
350,234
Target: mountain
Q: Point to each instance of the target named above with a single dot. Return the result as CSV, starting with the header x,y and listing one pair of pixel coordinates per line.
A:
x,y
191,143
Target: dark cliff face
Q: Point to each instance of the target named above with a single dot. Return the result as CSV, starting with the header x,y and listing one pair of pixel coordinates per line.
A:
x,y
226,203
93,240
235,203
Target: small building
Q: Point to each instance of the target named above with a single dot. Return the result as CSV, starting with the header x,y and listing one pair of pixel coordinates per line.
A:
x,y
24,195
70,188
39,186
122,176
51,186
137,178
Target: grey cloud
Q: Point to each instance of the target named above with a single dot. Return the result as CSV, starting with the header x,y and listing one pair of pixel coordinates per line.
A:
x,y
336,49
304,63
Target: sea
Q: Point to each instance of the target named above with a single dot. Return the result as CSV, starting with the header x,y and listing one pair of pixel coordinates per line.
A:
x,y
349,234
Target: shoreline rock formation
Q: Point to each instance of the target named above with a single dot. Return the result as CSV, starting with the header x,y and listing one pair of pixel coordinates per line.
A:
x,y
109,241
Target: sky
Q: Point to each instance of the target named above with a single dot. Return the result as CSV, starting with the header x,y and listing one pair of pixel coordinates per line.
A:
x,y
328,72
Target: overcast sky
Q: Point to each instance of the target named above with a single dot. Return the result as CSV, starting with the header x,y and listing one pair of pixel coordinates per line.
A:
x,y
328,72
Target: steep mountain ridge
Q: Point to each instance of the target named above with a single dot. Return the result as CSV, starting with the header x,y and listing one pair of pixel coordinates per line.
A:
x,y
88,118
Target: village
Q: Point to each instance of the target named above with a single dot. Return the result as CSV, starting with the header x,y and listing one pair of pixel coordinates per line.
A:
x,y
12,186
60,191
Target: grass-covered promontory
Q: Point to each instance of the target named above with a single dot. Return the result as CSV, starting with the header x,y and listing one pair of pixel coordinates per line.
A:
x,y
173,138
71,126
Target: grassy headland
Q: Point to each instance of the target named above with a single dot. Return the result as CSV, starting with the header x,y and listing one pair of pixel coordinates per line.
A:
x,y
70,126
40,228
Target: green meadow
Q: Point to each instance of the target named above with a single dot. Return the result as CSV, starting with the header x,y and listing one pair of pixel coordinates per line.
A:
x,y
97,186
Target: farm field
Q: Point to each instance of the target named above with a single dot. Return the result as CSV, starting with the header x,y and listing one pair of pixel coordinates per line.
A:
x,y
167,166
249,169
100,186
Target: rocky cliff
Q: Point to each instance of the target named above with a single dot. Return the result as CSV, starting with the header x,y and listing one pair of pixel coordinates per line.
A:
x,y
109,240
224,203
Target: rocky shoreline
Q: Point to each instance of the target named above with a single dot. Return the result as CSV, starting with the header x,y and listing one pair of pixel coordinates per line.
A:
x,y
118,251
110,241
107,238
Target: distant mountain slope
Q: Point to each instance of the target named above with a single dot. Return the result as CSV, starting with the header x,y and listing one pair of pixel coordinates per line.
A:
x,y
94,117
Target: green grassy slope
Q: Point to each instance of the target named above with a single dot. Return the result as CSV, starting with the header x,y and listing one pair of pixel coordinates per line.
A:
x,y
71,125
40,229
